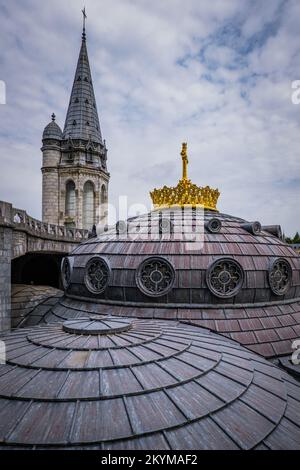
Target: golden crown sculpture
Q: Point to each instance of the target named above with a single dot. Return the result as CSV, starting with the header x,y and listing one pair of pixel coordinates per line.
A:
x,y
185,193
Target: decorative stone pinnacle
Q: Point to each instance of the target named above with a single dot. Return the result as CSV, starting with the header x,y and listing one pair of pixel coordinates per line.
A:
x,y
185,193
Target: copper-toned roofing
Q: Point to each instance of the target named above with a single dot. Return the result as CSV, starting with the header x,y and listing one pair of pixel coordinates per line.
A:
x,y
255,254
267,330
157,385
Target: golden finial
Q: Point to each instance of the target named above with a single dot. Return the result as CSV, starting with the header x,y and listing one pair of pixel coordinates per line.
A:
x,y
185,161
185,193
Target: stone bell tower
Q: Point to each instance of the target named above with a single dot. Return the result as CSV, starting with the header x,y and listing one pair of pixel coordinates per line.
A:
x,y
75,176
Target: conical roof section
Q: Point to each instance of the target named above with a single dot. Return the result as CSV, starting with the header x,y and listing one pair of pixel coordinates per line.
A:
x,y
82,121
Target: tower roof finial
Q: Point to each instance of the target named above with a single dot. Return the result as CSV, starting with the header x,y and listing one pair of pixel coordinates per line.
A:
x,y
53,117
84,20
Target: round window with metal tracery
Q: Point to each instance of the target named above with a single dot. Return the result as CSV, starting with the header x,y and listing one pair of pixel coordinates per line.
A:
x,y
280,275
97,274
65,273
225,277
155,277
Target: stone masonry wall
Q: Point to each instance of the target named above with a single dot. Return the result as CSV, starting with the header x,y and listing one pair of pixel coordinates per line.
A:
x,y
51,158
50,196
5,277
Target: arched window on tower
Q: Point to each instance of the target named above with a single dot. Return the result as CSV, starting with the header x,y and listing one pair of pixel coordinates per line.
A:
x,y
88,205
70,205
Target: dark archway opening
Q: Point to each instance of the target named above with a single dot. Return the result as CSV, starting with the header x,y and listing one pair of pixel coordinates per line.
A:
x,y
37,269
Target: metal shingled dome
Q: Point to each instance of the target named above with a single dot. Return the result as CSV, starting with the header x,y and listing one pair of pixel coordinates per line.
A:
x,y
52,131
242,281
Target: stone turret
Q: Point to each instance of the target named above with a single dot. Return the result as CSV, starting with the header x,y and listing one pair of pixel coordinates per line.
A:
x,y
51,149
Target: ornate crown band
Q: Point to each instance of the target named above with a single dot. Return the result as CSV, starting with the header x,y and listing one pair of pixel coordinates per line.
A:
x,y
185,193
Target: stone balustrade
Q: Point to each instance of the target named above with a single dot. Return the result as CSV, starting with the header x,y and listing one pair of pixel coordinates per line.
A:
x,y
20,220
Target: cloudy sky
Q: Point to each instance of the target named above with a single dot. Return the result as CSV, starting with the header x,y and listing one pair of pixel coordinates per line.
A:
x,y
215,73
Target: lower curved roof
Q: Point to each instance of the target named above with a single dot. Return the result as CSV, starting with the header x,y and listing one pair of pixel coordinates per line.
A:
x,y
110,383
268,330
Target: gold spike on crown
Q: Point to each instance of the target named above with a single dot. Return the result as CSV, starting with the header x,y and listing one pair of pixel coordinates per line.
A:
x,y
185,193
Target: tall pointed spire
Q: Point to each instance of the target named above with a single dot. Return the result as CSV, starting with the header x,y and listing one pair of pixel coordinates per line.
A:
x,y
82,121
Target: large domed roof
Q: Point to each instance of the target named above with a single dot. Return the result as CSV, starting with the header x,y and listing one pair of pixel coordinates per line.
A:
x,y
215,270
111,383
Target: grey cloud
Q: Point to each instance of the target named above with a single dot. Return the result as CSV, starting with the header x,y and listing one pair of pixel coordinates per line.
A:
x,y
240,124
